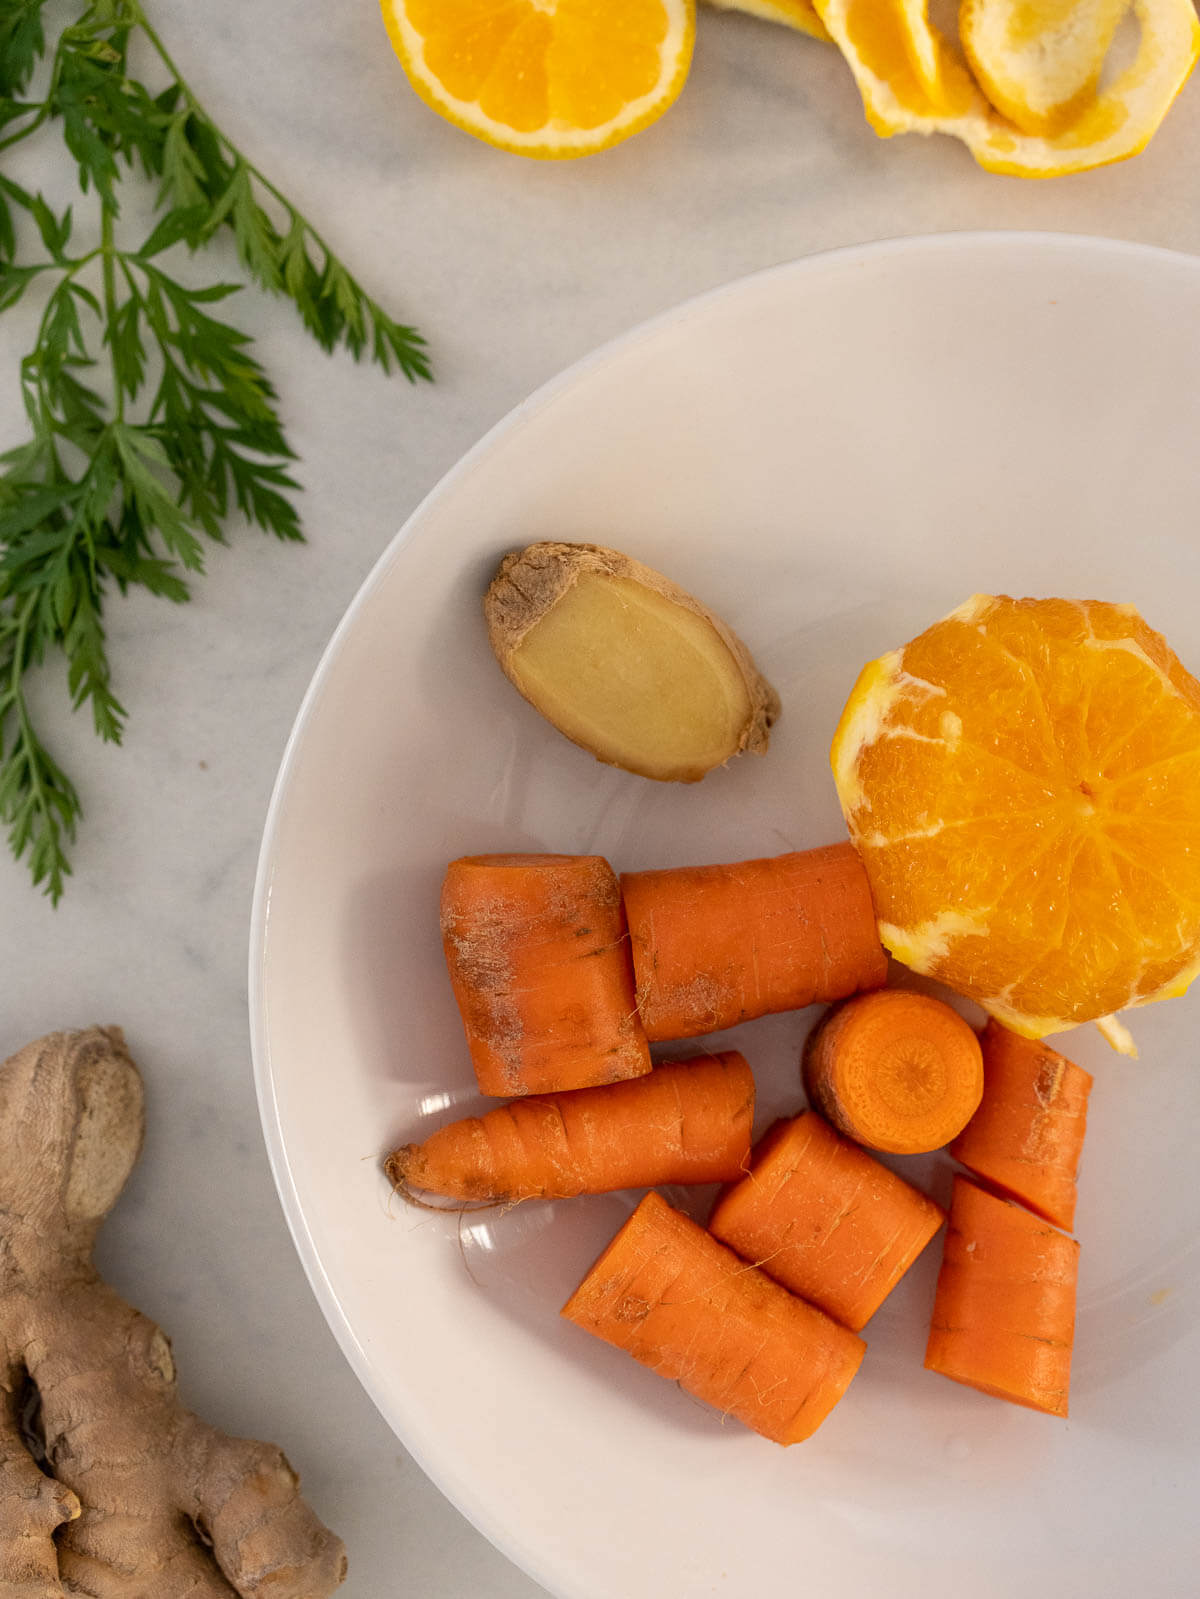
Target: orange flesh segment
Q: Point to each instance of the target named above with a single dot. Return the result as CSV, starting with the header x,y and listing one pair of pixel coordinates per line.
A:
x,y
1021,782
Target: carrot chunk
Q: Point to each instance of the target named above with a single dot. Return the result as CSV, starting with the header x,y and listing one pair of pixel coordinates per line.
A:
x,y
823,1218
718,945
686,1122
894,1070
1004,1311
683,1304
539,961
1027,1135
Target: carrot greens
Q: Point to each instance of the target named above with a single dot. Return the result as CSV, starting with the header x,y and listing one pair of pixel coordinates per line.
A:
x,y
150,422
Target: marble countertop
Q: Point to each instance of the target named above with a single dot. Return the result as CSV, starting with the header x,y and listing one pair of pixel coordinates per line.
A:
x,y
512,269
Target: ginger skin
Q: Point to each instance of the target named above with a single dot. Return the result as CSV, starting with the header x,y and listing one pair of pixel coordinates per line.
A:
x,y
145,1500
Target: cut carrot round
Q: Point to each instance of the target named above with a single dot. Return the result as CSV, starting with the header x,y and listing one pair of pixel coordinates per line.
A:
x,y
1004,1311
894,1070
1027,1135
717,945
670,1295
540,967
686,1122
823,1218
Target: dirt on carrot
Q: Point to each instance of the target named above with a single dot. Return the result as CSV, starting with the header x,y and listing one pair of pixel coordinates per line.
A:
x,y
717,945
686,1122
895,1071
539,961
1026,1138
823,1218
670,1295
1004,1311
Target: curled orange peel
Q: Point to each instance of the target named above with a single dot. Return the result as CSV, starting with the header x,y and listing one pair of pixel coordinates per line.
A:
x,y
914,80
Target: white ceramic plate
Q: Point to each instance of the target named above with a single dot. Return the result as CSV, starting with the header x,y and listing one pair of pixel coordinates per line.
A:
x,y
833,453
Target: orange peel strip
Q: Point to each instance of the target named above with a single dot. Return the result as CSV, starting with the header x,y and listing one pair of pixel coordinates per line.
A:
x,y
798,14
1039,65
908,74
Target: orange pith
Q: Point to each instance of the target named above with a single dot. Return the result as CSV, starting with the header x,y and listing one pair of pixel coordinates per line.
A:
x,y
1054,111
1023,783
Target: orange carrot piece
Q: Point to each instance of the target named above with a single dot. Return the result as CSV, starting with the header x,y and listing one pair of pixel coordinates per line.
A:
x,y
1027,1135
686,1122
1004,1311
679,1302
823,1218
895,1071
539,962
717,945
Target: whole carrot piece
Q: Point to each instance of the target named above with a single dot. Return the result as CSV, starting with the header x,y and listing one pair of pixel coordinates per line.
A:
x,y
718,945
686,1122
1004,1311
539,961
1027,1135
894,1070
823,1218
679,1302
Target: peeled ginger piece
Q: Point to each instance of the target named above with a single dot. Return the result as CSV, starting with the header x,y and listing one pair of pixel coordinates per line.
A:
x,y
1039,61
625,663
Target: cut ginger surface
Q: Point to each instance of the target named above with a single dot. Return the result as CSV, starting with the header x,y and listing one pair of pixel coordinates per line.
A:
x,y
1023,784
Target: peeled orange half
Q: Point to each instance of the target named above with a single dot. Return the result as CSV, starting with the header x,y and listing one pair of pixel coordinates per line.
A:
x,y
1023,783
545,78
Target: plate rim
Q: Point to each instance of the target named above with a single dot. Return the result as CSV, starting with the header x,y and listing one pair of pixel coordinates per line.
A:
x,y
579,371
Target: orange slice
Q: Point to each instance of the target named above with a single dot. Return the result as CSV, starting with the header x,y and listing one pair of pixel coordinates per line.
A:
x,y
913,80
1039,64
545,78
798,14
1023,784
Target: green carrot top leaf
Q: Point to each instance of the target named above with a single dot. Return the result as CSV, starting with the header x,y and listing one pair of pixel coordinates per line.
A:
x,y
150,421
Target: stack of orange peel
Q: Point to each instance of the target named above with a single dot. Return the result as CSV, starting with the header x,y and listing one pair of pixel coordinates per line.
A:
x,y
1030,86
1024,90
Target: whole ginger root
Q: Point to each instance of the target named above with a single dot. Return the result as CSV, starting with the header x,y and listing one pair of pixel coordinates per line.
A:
x,y
136,1498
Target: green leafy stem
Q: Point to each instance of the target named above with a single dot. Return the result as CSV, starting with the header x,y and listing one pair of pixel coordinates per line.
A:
x,y
127,471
